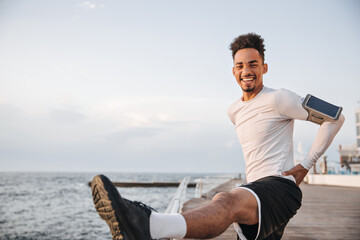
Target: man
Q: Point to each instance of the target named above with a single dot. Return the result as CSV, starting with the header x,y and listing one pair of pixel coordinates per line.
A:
x,y
264,120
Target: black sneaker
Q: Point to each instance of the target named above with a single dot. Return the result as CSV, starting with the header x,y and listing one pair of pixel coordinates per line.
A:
x,y
127,220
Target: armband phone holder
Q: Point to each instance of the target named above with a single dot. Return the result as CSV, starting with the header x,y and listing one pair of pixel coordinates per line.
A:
x,y
320,110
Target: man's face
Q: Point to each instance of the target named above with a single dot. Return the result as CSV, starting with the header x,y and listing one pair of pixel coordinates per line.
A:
x,y
248,70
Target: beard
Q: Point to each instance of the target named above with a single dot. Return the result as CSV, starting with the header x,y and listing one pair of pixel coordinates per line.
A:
x,y
248,89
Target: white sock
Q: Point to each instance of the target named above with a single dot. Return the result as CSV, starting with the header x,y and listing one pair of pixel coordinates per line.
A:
x,y
167,225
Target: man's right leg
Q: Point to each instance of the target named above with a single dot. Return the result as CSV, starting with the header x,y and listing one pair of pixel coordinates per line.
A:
x,y
133,219
211,220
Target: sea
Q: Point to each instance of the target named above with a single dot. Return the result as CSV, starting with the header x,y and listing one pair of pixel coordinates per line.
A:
x,y
59,205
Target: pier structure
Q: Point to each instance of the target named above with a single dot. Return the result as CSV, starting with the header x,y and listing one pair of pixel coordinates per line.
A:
x,y
150,184
350,155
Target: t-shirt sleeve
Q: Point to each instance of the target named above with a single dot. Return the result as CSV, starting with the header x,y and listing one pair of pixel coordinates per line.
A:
x,y
289,104
324,137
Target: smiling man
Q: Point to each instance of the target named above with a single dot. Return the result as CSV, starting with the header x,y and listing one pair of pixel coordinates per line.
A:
x,y
264,121
248,71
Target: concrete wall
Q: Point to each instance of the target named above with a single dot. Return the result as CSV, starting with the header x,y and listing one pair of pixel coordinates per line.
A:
x,y
333,180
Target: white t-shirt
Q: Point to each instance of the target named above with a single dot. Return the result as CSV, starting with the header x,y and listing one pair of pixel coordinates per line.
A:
x,y
265,126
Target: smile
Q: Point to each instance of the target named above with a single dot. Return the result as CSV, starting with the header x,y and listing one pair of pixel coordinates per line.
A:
x,y
248,79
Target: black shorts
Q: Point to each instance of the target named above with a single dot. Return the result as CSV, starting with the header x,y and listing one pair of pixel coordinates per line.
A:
x,y
278,200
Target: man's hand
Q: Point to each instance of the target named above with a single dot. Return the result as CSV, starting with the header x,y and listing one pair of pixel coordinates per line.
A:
x,y
298,172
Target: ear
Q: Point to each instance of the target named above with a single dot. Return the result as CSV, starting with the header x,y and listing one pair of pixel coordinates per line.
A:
x,y
265,68
233,70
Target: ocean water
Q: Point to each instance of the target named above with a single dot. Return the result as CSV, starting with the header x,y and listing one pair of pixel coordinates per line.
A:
x,y
59,205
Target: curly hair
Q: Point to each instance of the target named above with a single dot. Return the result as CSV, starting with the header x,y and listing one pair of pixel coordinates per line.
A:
x,y
250,40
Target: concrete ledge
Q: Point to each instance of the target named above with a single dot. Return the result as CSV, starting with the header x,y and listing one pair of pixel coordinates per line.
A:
x,y
333,180
149,184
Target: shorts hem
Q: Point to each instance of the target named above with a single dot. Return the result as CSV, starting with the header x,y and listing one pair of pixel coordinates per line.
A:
x,y
237,226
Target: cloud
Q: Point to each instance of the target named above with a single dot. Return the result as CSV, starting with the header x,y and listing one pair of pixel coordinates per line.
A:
x,y
137,134
10,113
151,134
88,5
66,116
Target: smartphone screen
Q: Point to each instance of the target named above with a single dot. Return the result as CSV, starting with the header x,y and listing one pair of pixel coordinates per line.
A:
x,y
323,107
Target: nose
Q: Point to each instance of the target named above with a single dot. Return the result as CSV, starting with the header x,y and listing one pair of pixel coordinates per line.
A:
x,y
246,71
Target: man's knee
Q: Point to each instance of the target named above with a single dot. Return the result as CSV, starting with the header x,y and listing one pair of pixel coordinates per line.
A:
x,y
223,197
225,201
241,205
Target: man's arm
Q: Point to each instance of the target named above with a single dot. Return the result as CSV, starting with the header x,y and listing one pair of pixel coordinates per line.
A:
x,y
327,132
324,137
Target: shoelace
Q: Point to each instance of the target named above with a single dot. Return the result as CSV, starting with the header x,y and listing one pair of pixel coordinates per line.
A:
x,y
141,205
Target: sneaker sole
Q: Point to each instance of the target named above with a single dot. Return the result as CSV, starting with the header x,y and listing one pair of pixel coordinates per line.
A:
x,y
105,198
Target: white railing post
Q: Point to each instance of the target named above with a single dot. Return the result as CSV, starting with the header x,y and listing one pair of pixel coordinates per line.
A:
x,y
198,188
179,197
177,201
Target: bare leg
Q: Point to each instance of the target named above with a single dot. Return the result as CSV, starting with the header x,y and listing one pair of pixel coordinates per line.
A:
x,y
211,220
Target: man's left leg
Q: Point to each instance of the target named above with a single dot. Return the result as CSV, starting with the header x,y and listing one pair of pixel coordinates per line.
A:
x,y
127,220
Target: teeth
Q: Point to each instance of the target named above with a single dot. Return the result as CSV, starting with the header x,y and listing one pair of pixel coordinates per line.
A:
x,y
247,79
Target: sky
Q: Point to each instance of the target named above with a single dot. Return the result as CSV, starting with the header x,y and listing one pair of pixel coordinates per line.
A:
x,y
134,86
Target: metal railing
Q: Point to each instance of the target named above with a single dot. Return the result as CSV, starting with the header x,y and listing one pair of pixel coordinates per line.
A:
x,y
177,201
198,188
